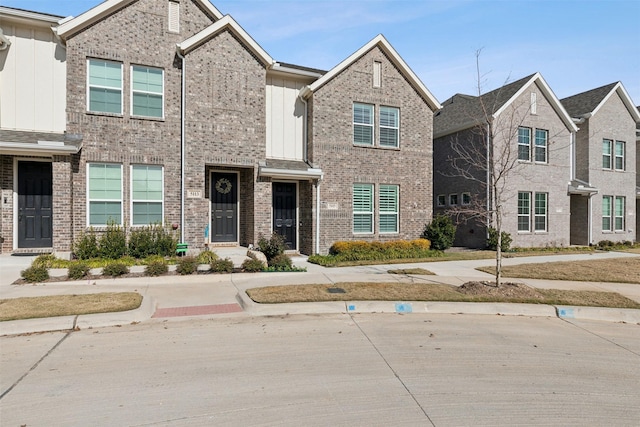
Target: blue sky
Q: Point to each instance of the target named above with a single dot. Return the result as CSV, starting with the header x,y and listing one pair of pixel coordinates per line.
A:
x,y
577,45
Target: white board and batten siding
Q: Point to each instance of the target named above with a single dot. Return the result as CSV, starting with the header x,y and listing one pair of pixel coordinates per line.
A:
x,y
285,119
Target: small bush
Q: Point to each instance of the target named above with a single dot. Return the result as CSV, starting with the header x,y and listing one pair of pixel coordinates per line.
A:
x,y
221,266
78,270
115,269
252,265
187,265
440,232
205,257
35,274
141,244
271,247
113,243
45,260
281,262
156,268
492,241
86,247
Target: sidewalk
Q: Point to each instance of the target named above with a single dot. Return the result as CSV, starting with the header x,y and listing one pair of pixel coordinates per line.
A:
x,y
182,297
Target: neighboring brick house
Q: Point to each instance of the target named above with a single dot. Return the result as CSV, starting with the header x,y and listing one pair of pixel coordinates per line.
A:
x,y
184,119
604,191
525,130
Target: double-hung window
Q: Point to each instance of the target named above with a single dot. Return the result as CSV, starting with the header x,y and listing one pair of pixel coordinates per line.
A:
x,y
618,160
389,208
147,91
453,199
389,126
362,124
363,208
607,145
618,213
146,194
540,212
524,211
104,184
524,143
466,198
606,213
104,86
441,200
540,150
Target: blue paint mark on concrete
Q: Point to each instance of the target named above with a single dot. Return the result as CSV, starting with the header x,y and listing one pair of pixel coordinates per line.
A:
x,y
351,307
566,313
403,308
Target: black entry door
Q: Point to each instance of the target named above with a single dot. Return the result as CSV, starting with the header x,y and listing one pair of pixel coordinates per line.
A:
x,y
35,205
224,207
284,212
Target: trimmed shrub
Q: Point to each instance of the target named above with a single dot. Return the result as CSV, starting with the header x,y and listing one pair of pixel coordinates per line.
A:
x,y
187,265
252,265
78,270
35,274
113,243
205,257
165,240
86,246
156,267
115,269
45,260
271,247
492,241
141,244
221,266
281,262
440,232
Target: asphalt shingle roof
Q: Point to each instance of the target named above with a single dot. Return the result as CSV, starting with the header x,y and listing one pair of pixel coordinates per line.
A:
x,y
586,102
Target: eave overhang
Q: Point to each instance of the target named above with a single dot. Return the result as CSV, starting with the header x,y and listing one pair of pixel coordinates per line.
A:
x,y
39,148
581,188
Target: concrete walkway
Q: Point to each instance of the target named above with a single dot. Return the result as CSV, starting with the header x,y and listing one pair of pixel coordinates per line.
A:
x,y
182,297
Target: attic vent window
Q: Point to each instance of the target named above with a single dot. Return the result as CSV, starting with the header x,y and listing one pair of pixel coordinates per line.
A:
x,y
534,103
377,74
174,16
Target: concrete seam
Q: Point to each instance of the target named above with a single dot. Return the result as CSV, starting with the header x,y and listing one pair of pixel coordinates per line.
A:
x,y
599,336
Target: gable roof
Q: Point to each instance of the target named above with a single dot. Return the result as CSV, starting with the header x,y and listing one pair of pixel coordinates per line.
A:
x,y
225,23
381,42
462,112
108,7
586,104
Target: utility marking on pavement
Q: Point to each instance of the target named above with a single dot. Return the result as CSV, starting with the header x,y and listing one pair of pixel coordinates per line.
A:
x,y
351,307
197,310
404,307
566,313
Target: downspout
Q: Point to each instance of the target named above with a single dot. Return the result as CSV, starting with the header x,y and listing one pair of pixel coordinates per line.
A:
x,y
590,220
318,215
183,103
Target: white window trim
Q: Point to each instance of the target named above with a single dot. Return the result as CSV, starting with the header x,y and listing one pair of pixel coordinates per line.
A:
x,y
529,145
615,156
615,216
89,200
131,92
457,201
444,202
132,200
611,213
611,153
546,146
462,199
527,215
89,86
396,213
372,125
545,215
397,144
371,213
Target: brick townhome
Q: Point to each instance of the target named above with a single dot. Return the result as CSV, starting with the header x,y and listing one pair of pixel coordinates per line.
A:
x,y
175,114
532,132
603,193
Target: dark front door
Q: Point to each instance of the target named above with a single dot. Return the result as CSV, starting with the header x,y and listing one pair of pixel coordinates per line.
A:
x,y
284,212
35,205
224,207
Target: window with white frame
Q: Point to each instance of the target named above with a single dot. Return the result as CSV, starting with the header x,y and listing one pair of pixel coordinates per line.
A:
x,y
441,200
619,152
146,194
466,198
389,126
363,208
362,124
606,213
607,145
104,194
540,154
104,88
524,143
618,213
389,208
524,211
453,199
540,212
147,91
